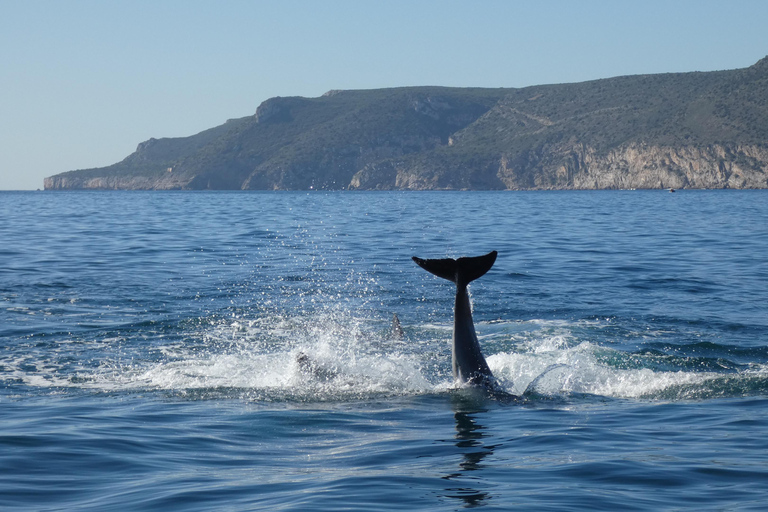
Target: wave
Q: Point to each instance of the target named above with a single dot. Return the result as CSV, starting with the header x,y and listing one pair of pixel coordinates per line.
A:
x,y
586,370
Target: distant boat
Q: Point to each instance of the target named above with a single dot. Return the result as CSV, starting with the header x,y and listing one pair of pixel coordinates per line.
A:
x,y
671,190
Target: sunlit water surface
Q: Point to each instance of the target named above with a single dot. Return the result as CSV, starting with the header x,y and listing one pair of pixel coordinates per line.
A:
x,y
149,345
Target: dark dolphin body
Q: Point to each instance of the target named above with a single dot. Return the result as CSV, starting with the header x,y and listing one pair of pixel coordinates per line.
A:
x,y
469,366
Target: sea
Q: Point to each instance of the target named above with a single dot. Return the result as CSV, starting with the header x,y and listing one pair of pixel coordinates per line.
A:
x,y
235,351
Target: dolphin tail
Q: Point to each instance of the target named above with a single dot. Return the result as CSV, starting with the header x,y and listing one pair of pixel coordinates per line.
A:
x,y
461,271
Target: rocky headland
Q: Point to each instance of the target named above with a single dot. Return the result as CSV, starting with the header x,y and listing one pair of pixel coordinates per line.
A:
x,y
674,130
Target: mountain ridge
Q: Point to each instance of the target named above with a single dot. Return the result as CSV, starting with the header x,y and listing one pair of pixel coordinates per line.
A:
x,y
680,130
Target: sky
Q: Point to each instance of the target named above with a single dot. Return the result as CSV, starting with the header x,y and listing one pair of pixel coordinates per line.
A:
x,y
83,82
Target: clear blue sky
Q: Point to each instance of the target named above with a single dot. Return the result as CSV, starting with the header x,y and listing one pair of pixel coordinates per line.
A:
x,y
83,82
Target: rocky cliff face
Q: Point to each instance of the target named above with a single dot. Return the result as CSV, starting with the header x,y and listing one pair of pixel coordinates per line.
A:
x,y
74,182
577,167
580,167
643,166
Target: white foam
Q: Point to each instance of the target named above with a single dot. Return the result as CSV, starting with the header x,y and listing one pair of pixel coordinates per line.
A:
x,y
258,355
352,356
552,368
281,372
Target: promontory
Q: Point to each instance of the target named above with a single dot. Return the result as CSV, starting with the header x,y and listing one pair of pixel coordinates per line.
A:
x,y
672,130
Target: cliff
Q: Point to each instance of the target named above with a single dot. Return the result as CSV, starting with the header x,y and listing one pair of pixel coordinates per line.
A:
x,y
680,130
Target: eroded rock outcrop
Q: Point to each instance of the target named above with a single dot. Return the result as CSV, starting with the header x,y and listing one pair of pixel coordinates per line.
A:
x,y
648,166
62,182
580,167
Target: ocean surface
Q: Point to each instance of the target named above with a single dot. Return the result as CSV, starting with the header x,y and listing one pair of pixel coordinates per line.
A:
x,y
149,345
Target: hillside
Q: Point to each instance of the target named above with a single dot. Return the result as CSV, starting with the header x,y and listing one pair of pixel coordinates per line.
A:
x,y
681,130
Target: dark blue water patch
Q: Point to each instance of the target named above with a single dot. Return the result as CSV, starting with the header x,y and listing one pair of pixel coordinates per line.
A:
x,y
742,385
714,350
662,361
495,455
677,284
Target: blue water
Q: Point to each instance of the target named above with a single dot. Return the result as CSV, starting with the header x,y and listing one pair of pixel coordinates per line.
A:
x,y
148,346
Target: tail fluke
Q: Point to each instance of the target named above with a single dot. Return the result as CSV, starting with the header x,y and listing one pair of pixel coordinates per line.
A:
x,y
461,271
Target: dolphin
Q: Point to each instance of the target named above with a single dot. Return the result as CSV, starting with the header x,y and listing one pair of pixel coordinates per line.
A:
x,y
397,332
469,365
313,367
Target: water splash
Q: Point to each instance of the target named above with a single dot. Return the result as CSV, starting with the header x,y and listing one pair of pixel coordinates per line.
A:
x,y
334,354
554,360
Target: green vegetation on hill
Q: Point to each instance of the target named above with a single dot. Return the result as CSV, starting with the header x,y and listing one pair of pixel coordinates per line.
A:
x,y
548,136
